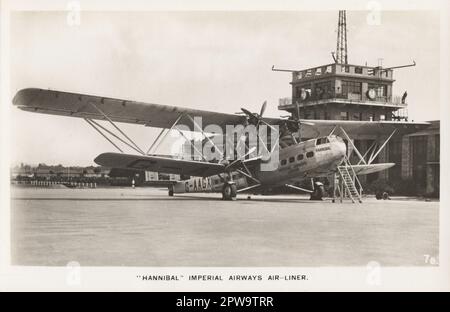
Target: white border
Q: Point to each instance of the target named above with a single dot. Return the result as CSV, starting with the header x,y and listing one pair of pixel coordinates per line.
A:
x,y
326,279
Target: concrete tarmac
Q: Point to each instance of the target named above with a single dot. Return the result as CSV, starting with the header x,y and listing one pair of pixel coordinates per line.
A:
x,y
145,227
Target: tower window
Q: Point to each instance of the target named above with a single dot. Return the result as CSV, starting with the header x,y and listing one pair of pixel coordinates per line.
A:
x,y
344,115
380,90
351,87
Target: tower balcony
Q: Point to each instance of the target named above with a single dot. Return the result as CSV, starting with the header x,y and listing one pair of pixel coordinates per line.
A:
x,y
342,70
393,103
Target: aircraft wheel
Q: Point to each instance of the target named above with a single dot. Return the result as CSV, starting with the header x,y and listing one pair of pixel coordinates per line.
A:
x,y
229,192
170,192
233,191
318,193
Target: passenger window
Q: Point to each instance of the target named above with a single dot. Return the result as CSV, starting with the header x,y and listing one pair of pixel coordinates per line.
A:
x,y
310,154
300,157
291,159
283,162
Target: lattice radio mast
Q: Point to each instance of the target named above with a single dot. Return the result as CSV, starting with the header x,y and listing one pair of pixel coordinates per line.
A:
x,y
341,47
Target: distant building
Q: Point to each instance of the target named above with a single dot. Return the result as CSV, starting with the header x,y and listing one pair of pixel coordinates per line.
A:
x,y
420,160
22,170
151,176
48,172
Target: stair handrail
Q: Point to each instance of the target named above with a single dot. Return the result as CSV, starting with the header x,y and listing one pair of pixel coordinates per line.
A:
x,y
348,164
344,183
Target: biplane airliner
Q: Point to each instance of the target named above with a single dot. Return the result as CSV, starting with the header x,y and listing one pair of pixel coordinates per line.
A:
x,y
305,149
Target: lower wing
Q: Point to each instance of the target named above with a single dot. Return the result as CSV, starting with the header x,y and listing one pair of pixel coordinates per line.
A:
x,y
159,164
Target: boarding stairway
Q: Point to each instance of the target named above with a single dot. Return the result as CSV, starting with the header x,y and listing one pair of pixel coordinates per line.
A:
x,y
348,183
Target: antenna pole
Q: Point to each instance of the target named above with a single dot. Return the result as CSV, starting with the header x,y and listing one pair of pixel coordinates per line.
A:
x,y
341,47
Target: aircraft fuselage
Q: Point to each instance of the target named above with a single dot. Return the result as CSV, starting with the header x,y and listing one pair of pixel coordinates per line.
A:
x,y
308,159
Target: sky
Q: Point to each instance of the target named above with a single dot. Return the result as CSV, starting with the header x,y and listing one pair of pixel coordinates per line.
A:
x,y
217,61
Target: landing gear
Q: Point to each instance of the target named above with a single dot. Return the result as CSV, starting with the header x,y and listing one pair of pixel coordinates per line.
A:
x,y
170,191
318,192
229,191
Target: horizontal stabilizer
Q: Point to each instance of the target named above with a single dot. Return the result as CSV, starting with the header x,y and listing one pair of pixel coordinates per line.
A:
x,y
372,168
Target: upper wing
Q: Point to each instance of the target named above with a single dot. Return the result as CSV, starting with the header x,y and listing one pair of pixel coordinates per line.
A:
x,y
164,116
159,164
319,128
85,106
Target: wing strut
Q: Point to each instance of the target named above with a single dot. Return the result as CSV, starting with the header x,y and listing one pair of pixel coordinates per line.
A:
x,y
354,147
368,150
109,140
113,134
298,188
374,152
248,188
203,133
118,129
192,144
159,135
381,147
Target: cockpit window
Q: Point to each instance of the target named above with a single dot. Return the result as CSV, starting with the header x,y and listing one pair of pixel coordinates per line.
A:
x,y
322,141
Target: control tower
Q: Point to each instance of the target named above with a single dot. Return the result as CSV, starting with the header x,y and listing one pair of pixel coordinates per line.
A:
x,y
341,91
345,92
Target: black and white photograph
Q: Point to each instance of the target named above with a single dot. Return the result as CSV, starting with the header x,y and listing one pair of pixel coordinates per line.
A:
x,y
220,146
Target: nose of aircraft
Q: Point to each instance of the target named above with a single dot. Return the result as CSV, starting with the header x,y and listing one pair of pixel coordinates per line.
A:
x,y
339,150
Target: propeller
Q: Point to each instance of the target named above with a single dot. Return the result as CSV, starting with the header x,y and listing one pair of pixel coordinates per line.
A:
x,y
256,119
263,108
294,123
